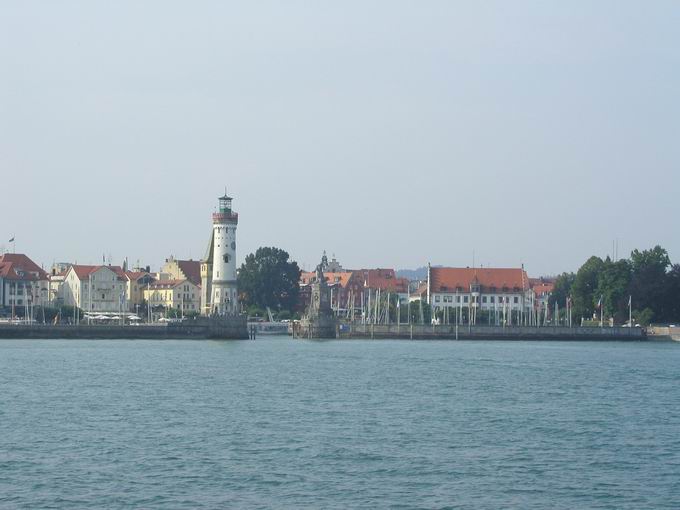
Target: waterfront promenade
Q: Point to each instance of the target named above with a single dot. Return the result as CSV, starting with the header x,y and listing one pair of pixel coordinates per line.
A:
x,y
201,329
453,332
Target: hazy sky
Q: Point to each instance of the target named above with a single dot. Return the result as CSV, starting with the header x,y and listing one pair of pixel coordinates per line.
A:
x,y
391,133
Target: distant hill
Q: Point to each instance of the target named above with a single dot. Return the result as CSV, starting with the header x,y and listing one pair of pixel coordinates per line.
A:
x,y
414,274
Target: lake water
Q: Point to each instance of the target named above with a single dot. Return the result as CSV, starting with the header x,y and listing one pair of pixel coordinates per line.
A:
x,y
281,423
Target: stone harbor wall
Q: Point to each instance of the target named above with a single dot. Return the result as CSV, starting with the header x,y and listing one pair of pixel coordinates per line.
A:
x,y
317,327
227,328
449,332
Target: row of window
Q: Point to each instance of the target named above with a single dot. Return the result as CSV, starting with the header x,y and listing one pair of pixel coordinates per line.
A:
x,y
485,299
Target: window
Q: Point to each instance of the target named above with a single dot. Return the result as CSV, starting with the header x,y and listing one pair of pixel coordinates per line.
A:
x,y
493,299
483,299
465,299
436,299
516,300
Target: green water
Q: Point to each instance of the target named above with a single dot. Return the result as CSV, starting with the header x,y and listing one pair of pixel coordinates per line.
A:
x,y
278,423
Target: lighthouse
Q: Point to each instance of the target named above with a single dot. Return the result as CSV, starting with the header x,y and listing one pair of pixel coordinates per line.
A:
x,y
223,289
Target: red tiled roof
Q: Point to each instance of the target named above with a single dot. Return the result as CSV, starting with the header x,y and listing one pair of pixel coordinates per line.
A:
x,y
543,288
384,279
11,264
448,279
135,275
422,290
191,269
341,279
83,272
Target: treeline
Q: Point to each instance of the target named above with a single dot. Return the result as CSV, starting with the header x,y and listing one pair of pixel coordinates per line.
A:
x,y
647,278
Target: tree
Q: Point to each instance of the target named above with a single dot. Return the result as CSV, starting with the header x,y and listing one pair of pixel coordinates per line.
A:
x,y
562,289
268,278
613,283
670,307
584,287
648,282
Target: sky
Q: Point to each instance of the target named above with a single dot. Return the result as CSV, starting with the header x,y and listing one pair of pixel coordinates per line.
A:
x,y
389,133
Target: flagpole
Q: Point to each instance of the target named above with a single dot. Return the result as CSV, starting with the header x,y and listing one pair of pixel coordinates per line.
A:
x,y
630,311
601,312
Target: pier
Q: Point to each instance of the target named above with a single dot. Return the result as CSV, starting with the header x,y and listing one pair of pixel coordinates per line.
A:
x,y
231,328
452,332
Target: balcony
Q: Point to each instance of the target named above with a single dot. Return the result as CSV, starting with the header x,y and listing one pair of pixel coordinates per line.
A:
x,y
219,217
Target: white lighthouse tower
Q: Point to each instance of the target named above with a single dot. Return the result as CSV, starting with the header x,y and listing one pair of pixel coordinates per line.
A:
x,y
224,295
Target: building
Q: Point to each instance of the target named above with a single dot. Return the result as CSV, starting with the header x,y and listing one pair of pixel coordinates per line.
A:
x,y
181,295
136,283
183,270
542,289
386,281
218,268
350,288
344,288
504,291
101,289
23,284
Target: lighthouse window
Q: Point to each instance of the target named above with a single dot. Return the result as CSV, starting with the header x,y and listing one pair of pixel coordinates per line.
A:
x,y
226,257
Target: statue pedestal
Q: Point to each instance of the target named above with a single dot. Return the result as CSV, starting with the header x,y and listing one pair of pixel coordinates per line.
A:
x,y
318,327
319,321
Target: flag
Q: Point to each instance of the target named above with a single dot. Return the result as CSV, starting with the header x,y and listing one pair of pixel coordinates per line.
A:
x,y
630,301
11,240
599,303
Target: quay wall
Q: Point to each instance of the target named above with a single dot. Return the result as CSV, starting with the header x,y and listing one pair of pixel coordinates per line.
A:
x,y
448,332
664,333
233,329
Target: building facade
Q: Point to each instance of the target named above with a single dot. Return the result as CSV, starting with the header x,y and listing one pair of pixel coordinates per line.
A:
x,y
503,293
136,283
181,295
98,289
23,284
183,270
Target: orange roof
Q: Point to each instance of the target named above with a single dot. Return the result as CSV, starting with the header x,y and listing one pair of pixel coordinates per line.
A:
x,y
83,272
191,269
341,279
543,288
450,279
384,279
422,290
135,275
17,266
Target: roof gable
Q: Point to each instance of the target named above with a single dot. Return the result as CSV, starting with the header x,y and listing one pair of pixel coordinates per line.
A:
x,y
17,266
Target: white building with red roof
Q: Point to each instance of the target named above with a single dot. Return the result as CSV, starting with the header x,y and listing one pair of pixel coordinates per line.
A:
x,y
473,289
97,289
22,282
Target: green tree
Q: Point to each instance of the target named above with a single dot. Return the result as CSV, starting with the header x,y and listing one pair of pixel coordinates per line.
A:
x,y
671,295
268,278
584,287
562,289
414,309
648,284
613,283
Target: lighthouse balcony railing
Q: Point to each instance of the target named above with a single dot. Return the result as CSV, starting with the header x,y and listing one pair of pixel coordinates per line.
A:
x,y
220,216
